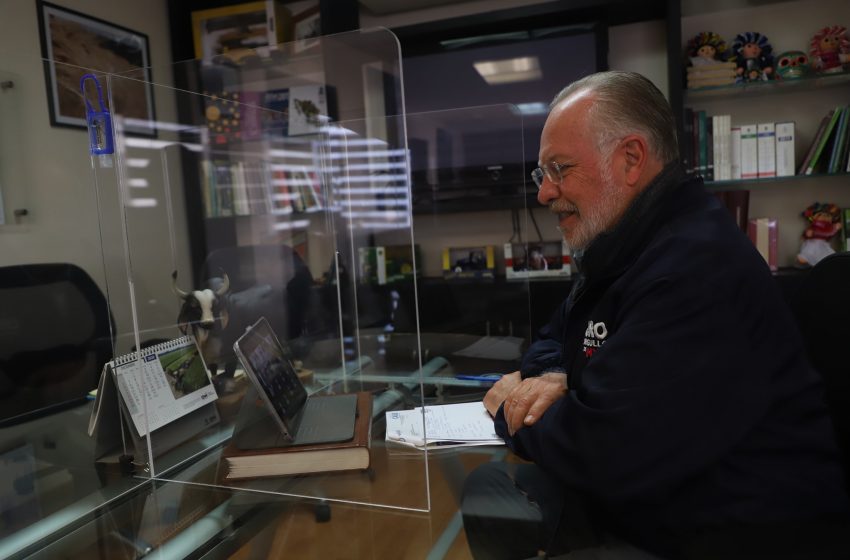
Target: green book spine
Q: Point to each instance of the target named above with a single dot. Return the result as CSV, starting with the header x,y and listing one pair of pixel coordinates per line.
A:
x,y
838,143
827,134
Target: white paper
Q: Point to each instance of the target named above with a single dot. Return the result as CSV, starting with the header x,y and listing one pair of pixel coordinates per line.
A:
x,y
449,425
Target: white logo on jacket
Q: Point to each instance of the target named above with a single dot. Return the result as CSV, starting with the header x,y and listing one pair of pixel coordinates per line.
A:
x,y
594,337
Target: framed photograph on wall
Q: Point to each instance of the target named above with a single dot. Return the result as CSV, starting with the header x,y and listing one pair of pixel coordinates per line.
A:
x,y
307,27
73,44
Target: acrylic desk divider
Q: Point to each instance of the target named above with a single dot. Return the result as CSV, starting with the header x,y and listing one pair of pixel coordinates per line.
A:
x,y
15,135
283,186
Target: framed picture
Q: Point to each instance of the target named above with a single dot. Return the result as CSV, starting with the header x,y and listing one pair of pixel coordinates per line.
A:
x,y
307,27
469,262
541,259
84,44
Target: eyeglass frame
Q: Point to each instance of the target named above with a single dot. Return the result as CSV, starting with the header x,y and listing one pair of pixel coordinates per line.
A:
x,y
545,170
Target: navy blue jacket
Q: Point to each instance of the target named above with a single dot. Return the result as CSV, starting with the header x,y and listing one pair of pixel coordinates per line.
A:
x,y
690,403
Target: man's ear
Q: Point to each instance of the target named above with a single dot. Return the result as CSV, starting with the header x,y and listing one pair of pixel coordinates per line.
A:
x,y
635,153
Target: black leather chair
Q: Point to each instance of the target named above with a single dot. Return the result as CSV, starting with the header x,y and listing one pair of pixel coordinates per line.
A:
x,y
271,280
56,333
822,308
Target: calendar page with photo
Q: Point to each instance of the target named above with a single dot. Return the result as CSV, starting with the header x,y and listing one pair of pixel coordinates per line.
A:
x,y
170,381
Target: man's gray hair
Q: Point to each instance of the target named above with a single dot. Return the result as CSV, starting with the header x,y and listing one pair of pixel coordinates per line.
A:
x,y
627,103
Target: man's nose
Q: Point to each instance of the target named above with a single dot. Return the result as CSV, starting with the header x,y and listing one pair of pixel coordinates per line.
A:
x,y
548,192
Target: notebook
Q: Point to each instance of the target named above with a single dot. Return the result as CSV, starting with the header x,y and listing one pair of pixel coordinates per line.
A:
x,y
278,411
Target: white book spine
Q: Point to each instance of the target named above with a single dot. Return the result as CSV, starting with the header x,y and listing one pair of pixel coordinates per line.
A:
x,y
716,152
785,149
735,153
766,150
749,152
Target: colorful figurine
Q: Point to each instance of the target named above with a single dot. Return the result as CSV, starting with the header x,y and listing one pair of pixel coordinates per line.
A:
x,y
792,65
753,54
824,223
830,49
707,48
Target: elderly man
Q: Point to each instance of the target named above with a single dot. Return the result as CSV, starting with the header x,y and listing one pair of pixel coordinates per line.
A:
x,y
668,407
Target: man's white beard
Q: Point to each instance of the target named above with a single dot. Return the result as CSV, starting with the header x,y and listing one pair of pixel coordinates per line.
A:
x,y
597,219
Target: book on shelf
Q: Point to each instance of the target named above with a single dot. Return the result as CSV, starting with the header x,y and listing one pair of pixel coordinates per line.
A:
x,y
709,148
818,135
738,204
839,142
165,390
353,454
687,144
702,148
735,153
785,138
822,142
749,151
764,235
766,147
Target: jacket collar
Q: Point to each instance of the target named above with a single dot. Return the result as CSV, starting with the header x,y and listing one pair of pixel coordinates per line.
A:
x,y
612,251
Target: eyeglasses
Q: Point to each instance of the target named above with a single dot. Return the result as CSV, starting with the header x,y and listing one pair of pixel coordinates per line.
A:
x,y
551,171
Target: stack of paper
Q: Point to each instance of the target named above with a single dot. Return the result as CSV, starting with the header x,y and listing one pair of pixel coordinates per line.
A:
x,y
442,426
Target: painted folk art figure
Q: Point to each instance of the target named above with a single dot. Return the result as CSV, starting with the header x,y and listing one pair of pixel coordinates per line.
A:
x,y
754,56
830,49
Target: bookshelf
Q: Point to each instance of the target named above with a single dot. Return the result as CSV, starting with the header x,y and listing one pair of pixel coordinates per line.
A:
x,y
805,101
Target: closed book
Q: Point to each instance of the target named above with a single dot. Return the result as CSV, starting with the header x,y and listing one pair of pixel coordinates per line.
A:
x,y
735,153
688,140
766,150
763,233
785,149
306,459
839,142
702,168
813,146
749,152
824,140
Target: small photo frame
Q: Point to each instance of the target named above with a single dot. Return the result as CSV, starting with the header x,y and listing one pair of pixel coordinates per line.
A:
x,y
543,259
469,262
307,27
109,48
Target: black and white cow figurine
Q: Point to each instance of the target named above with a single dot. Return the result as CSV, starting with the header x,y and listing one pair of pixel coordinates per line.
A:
x,y
206,313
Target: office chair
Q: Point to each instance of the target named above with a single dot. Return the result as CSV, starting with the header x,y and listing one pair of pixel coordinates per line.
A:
x,y
822,309
270,280
56,332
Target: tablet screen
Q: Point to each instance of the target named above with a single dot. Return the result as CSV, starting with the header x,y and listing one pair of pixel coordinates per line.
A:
x,y
271,364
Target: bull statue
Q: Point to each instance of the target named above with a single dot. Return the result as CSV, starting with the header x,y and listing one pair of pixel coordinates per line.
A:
x,y
217,316
206,313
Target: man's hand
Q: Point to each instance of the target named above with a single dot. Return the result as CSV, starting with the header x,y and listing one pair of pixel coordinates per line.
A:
x,y
499,391
528,400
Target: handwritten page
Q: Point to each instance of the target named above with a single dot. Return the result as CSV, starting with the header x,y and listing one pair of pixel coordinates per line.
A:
x,y
448,425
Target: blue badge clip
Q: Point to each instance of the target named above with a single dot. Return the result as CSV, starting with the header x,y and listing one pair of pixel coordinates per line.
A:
x,y
99,122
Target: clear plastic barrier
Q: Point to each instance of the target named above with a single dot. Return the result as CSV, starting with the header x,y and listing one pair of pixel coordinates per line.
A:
x,y
289,185
14,176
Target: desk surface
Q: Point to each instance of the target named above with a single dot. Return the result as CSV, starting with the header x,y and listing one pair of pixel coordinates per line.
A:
x,y
57,501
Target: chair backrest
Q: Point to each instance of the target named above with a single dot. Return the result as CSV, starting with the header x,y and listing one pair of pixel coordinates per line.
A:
x,y
277,267
55,335
822,308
